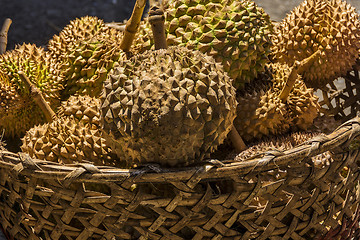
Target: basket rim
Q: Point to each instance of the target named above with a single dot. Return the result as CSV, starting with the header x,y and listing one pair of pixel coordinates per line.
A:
x,y
22,164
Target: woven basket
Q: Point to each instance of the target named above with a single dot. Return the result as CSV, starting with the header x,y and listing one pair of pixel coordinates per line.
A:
x,y
279,195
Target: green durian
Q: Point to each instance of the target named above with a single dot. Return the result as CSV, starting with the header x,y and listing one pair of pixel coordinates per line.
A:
x,y
235,33
85,50
18,112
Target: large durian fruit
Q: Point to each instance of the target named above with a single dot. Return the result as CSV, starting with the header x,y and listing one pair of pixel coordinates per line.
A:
x,y
169,106
85,50
75,137
331,26
235,33
18,112
263,110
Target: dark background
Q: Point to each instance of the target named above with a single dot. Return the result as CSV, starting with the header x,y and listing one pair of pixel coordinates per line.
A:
x,y
36,21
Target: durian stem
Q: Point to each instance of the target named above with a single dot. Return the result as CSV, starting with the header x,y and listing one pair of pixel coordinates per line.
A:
x,y
3,35
157,21
237,141
38,98
132,25
297,68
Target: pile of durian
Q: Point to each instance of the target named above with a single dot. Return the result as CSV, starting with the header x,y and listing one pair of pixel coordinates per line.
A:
x,y
195,76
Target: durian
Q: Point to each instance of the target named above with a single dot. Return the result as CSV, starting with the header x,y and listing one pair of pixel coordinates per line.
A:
x,y
265,109
67,141
86,68
85,51
77,30
235,33
301,102
18,112
281,143
84,109
331,26
74,136
169,106
260,112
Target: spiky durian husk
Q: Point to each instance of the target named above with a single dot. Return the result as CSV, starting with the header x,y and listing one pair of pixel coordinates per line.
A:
x,y
260,112
169,106
331,26
79,29
84,109
235,33
85,51
86,68
302,103
67,141
18,112
37,64
282,143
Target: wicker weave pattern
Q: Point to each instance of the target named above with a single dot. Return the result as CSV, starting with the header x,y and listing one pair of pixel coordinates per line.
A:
x,y
343,102
282,195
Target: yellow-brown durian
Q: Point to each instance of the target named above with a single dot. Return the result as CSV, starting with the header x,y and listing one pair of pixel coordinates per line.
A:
x,y
331,26
169,106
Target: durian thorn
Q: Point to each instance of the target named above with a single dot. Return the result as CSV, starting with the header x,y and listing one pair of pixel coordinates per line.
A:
x,y
237,140
3,35
132,25
298,68
157,21
38,98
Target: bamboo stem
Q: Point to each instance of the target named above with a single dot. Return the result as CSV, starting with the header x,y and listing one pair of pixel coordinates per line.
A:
x,y
3,35
297,68
132,25
157,21
38,97
236,140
